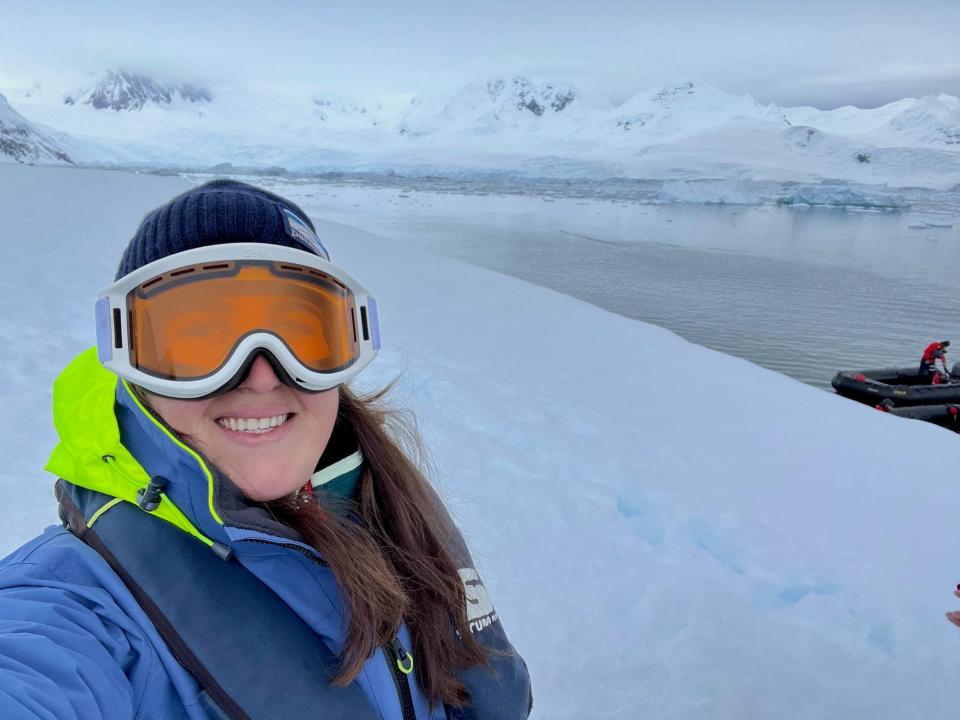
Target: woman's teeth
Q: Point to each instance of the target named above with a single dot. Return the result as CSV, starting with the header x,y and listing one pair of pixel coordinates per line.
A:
x,y
253,425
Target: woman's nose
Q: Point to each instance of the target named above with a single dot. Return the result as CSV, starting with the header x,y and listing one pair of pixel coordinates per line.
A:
x,y
261,376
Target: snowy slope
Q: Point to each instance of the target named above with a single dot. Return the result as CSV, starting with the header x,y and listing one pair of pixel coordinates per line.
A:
x,y
344,113
497,105
750,149
21,142
928,121
675,111
735,546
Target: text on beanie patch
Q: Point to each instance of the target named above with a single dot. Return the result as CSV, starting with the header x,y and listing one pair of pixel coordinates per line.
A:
x,y
301,232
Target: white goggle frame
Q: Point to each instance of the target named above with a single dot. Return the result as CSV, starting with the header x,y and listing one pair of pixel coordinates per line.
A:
x,y
113,339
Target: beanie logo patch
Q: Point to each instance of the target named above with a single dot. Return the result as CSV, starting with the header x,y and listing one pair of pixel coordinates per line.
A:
x,y
301,232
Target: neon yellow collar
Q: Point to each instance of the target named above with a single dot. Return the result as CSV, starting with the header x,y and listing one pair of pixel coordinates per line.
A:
x,y
90,453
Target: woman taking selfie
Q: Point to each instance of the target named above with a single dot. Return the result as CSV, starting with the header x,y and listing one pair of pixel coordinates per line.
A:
x,y
243,537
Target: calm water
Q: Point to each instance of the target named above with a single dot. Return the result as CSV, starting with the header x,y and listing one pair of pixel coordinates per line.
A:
x,y
805,292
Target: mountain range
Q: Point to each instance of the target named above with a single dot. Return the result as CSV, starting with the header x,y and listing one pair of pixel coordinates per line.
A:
x,y
526,126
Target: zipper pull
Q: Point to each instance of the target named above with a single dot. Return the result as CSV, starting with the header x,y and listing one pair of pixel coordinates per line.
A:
x,y
404,659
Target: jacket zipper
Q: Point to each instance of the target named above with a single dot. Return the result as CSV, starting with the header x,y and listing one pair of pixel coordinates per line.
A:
x,y
401,665
290,546
399,660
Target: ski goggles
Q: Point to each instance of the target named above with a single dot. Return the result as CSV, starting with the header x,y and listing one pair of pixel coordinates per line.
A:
x,y
190,325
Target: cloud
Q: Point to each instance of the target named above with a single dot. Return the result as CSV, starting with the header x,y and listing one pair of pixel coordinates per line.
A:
x,y
817,52
870,87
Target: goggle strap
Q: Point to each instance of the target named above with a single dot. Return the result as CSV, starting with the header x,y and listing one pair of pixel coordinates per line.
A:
x,y
108,335
372,318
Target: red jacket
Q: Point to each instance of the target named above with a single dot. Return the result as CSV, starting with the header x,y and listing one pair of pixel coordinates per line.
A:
x,y
934,350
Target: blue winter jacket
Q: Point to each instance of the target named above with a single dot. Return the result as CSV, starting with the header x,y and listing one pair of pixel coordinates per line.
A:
x,y
74,643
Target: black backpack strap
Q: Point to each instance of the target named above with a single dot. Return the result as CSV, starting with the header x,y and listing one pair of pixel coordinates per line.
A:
x,y
253,655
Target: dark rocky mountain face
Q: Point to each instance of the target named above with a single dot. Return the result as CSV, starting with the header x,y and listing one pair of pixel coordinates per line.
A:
x,y
536,98
23,146
120,90
20,142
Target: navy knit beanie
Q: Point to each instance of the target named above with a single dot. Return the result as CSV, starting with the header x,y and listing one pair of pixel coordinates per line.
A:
x,y
221,211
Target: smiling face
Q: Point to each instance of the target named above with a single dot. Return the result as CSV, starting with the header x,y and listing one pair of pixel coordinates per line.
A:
x,y
266,436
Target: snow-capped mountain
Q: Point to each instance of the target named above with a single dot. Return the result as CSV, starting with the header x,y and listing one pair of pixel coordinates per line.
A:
x,y
934,119
516,103
23,143
688,108
931,120
121,90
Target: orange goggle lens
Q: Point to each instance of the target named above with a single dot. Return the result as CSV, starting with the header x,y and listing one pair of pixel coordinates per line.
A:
x,y
186,323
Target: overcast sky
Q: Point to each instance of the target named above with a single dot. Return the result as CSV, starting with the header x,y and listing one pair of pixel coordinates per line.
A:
x,y
804,52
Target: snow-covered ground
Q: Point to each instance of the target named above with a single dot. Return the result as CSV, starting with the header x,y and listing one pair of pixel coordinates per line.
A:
x,y
732,545
508,126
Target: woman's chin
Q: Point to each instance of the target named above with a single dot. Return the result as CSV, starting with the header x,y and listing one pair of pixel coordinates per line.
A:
x,y
270,481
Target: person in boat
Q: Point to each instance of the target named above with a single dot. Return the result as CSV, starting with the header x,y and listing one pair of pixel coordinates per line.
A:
x,y
934,352
243,535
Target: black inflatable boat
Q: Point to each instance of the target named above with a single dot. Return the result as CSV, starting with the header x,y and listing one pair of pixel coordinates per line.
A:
x,y
902,386
947,416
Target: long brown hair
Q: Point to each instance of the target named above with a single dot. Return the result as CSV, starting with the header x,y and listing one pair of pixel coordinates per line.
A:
x,y
391,560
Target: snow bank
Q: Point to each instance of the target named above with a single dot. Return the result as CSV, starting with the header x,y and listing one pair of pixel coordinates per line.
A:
x,y
730,545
